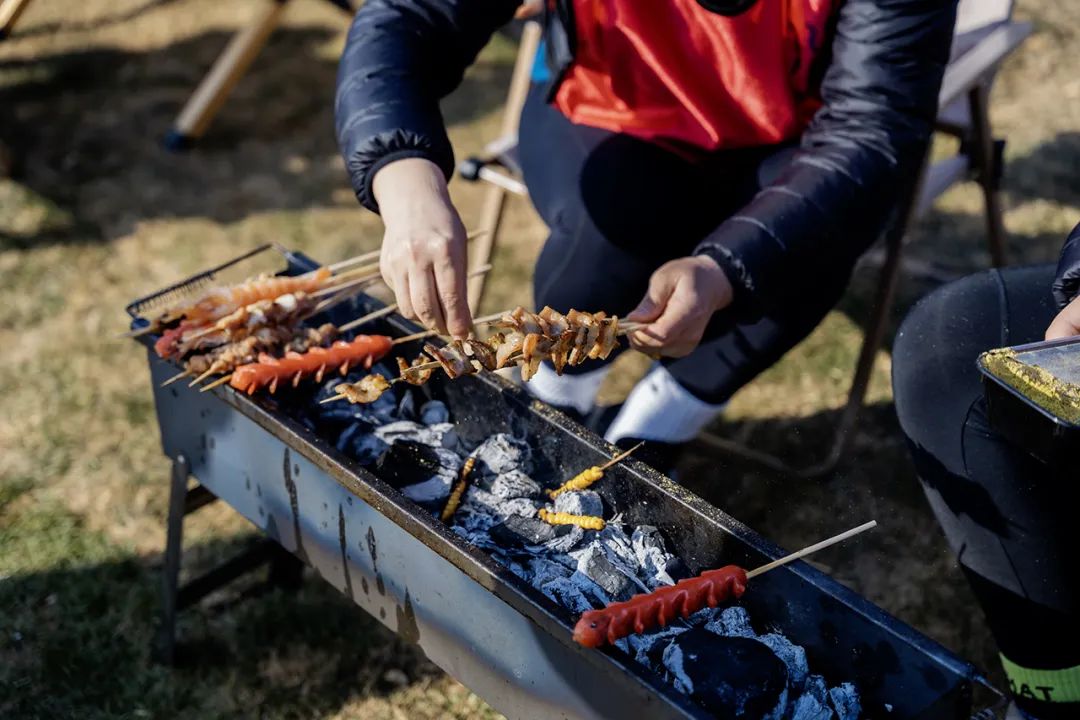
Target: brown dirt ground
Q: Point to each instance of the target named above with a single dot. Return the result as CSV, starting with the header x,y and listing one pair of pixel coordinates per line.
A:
x,y
97,213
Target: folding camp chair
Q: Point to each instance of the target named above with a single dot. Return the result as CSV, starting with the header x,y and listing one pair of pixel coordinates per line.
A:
x,y
10,10
985,35
230,66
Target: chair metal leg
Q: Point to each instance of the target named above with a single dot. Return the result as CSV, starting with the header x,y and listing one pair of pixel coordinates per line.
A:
x,y
495,202
230,66
174,540
10,10
986,160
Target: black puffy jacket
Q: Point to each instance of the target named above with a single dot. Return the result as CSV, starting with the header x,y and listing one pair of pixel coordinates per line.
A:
x,y
862,149
1067,283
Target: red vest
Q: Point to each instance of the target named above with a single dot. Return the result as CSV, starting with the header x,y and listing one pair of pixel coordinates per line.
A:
x,y
670,71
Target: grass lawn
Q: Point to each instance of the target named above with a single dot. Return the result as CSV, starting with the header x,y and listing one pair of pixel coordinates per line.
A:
x,y
98,213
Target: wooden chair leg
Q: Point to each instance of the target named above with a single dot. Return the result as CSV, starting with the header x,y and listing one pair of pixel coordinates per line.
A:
x,y
230,66
495,202
10,10
986,161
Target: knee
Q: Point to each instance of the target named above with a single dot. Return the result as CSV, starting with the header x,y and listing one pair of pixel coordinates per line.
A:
x,y
936,348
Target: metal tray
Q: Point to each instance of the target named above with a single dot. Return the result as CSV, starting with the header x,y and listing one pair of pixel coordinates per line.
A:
x,y
1021,419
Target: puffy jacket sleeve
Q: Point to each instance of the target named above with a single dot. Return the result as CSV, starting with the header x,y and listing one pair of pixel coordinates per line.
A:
x,y
1067,281
863,146
400,59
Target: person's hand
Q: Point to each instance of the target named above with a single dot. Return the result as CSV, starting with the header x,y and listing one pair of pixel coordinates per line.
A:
x,y
1067,322
423,252
529,9
682,297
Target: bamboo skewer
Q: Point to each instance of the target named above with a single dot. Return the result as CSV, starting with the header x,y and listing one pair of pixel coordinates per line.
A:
x,y
429,333
177,376
810,549
356,260
620,457
382,312
220,381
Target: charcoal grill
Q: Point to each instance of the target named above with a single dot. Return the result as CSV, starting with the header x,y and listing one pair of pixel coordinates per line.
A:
x,y
472,617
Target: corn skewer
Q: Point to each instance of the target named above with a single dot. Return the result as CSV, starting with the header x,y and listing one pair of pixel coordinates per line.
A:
x,y
590,475
458,492
585,522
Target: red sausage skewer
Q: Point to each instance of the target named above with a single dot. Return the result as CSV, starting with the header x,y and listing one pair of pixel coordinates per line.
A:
x,y
644,612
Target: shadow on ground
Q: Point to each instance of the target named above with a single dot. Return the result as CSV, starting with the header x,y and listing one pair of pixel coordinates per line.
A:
x,y
85,129
77,641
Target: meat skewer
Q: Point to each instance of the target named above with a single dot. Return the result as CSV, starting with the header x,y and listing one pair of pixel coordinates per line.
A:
x,y
642,613
269,372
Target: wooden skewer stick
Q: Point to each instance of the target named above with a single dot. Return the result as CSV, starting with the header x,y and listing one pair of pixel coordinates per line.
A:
x,y
429,333
199,379
383,312
811,549
620,457
365,257
177,376
220,381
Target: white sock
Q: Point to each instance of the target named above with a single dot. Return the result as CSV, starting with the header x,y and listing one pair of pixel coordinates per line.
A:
x,y
659,408
576,391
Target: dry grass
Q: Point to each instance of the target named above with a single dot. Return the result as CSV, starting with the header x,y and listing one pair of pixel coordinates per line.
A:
x,y
99,214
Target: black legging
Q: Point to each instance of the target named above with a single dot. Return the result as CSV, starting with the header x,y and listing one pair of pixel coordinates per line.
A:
x,y
619,207
1011,520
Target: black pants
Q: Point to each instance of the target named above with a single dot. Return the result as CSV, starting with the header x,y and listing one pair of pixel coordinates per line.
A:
x,y
1011,520
618,208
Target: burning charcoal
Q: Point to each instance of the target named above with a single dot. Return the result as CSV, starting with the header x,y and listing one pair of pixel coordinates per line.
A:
x,y
410,463
434,412
360,442
731,622
845,700
590,589
648,648
807,707
616,542
656,562
430,491
731,677
544,571
594,562
563,591
515,484
443,435
517,531
522,507
793,656
586,502
502,453
815,685
564,542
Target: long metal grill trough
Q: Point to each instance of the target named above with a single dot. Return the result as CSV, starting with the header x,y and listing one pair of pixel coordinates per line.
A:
x,y
472,616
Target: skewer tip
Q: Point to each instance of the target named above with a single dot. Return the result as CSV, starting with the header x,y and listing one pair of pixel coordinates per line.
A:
x,y
216,383
331,399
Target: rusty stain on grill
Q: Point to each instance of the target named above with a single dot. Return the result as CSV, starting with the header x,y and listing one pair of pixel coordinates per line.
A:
x,y
294,503
344,551
407,628
373,550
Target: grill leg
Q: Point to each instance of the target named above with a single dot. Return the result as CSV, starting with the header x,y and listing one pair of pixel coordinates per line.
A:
x,y
286,570
166,639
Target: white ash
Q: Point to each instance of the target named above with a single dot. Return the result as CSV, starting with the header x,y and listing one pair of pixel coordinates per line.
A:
x,y
793,656
808,707
585,502
565,543
502,453
442,435
577,569
845,700
515,484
